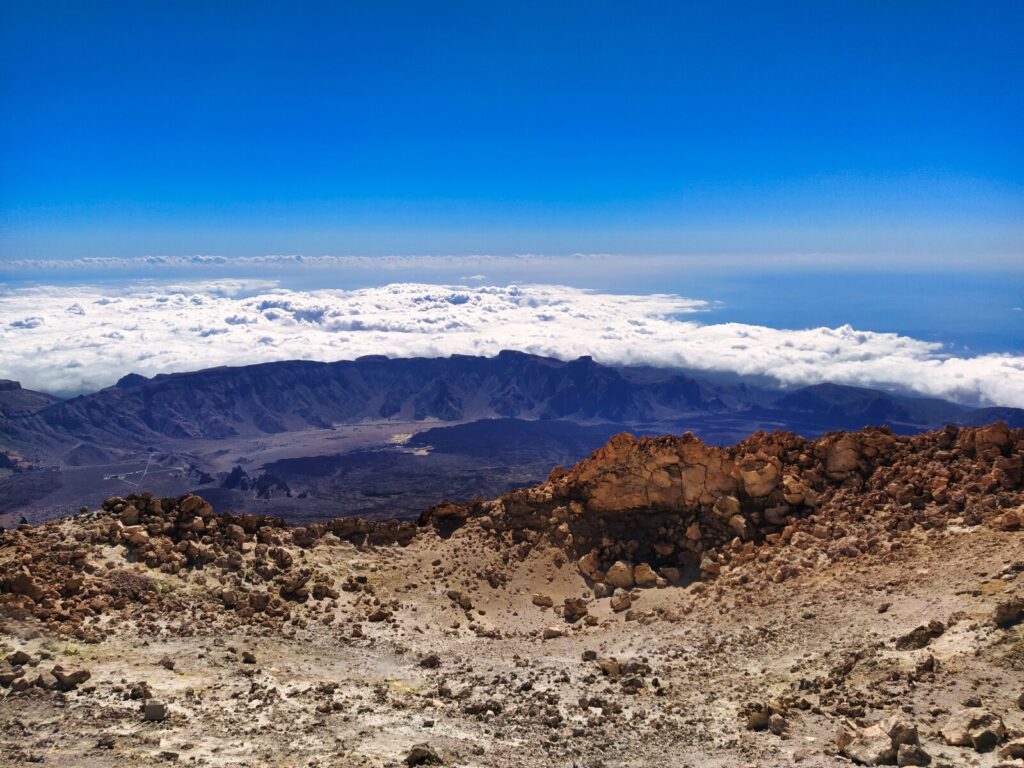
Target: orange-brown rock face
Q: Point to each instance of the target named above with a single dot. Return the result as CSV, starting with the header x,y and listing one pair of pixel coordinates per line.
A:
x,y
656,474
677,502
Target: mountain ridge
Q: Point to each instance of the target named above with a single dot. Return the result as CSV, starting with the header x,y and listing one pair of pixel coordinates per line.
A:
x,y
268,398
377,436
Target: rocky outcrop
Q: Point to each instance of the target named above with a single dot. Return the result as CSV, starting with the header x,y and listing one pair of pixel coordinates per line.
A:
x,y
674,504
254,556
881,743
639,513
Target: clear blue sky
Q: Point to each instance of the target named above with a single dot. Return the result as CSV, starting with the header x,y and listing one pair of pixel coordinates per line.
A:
x,y
886,128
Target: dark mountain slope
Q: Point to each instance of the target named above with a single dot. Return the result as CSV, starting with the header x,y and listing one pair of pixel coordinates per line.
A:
x,y
859,406
251,401
295,395
16,401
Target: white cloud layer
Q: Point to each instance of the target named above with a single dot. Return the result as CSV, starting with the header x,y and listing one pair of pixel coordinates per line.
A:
x,y
70,339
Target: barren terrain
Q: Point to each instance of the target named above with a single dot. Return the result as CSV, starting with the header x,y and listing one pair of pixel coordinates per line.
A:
x,y
781,602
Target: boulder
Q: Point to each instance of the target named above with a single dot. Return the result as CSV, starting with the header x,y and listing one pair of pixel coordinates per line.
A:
x,y
758,717
760,475
1009,612
24,583
138,538
900,729
843,455
1013,750
620,574
671,574
920,636
588,565
990,440
421,754
973,727
9,674
575,609
69,678
154,711
867,746
621,601
542,601
725,507
190,505
19,658
644,576
129,515
877,744
45,680
777,724
912,754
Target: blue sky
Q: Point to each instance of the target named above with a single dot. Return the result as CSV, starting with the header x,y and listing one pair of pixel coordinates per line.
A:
x,y
884,130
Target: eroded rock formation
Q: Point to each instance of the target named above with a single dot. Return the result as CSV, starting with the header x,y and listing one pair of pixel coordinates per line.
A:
x,y
679,504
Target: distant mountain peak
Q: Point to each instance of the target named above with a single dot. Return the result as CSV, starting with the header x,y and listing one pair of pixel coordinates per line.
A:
x,y
130,380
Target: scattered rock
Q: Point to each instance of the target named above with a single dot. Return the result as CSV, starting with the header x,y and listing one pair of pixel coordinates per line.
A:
x,y
154,711
69,678
45,680
920,637
644,576
867,746
912,754
974,727
621,601
575,609
1013,749
430,661
879,743
421,754
1009,612
777,724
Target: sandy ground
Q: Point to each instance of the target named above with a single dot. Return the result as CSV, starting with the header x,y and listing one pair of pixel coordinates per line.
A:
x,y
333,688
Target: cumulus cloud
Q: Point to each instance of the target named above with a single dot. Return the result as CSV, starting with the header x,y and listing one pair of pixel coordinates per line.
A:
x,y
27,322
152,329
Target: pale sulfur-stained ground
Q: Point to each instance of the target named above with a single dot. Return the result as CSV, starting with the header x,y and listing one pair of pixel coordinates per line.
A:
x,y
355,692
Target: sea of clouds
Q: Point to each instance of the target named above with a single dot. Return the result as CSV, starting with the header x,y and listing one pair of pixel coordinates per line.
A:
x,y
70,339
